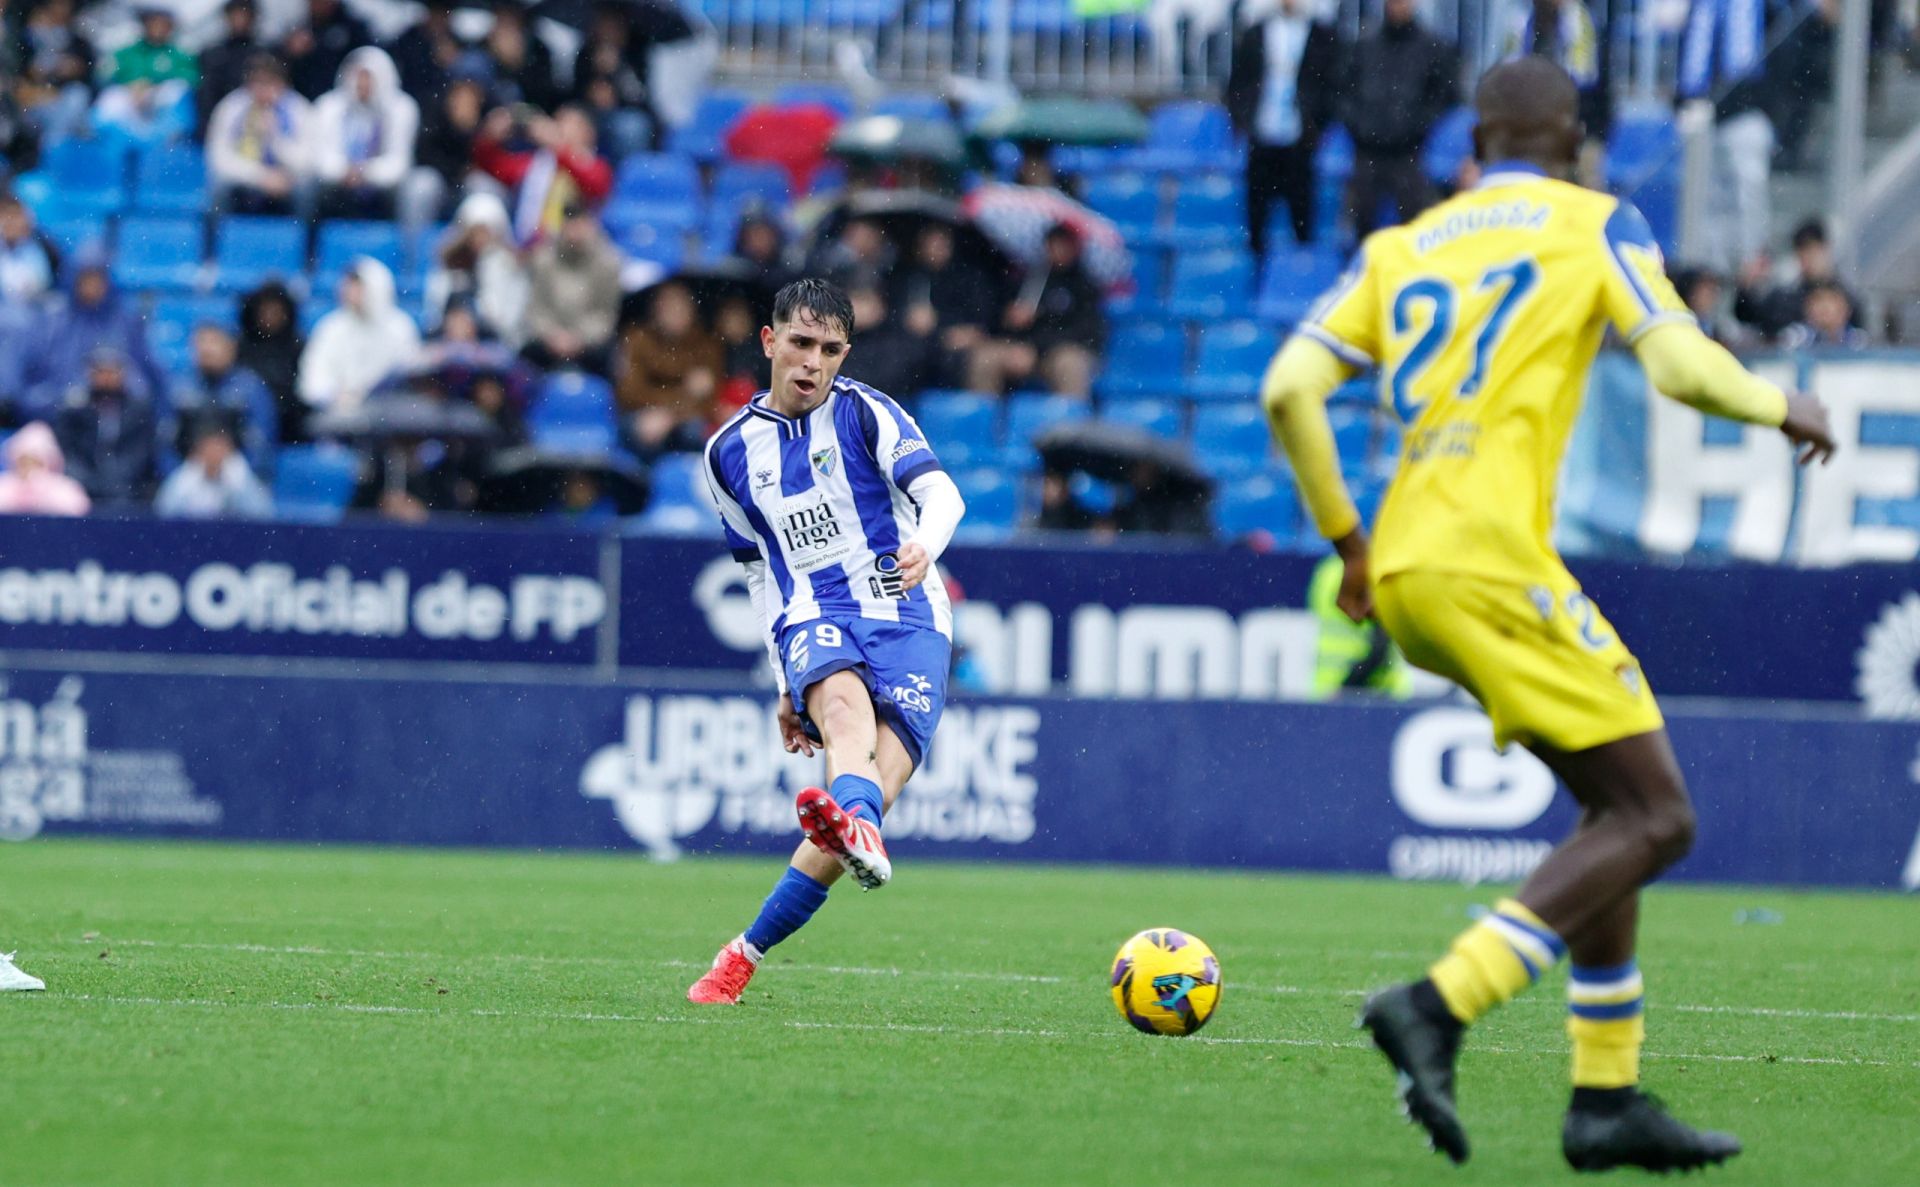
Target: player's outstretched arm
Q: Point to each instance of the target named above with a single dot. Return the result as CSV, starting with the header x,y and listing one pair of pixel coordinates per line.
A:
x,y
1683,363
1294,396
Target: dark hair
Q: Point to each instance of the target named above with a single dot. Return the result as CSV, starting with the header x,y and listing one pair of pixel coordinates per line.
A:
x,y
822,298
266,63
1828,286
1809,232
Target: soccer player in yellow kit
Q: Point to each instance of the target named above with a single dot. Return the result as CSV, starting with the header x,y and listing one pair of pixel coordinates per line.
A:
x,y
1483,315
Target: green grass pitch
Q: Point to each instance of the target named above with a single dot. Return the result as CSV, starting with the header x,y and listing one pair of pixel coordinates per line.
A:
x,y
236,1014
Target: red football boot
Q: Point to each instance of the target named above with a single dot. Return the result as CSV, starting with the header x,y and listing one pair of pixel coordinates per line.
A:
x,y
731,971
854,841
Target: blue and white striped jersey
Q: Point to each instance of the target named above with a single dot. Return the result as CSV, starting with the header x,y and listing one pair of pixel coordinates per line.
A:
x,y
822,499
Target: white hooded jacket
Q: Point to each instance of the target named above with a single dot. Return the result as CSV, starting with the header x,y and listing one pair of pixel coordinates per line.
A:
x,y
498,287
350,352
390,119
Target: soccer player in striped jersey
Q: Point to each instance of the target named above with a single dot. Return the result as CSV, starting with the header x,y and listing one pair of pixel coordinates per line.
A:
x,y
833,500
1483,315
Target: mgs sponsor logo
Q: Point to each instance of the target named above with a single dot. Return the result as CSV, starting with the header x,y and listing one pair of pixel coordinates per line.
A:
x,y
1447,775
913,697
713,766
51,773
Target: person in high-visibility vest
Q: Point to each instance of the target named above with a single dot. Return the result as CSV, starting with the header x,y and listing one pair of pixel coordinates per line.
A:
x,y
1352,658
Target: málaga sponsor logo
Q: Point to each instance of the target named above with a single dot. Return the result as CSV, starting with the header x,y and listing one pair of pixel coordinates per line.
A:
x,y
50,772
1446,774
692,764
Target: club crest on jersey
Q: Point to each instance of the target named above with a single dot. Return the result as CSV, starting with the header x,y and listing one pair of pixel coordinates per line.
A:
x,y
824,460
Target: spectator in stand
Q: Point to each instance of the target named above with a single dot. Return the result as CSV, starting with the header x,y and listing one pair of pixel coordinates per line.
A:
x,y
1826,322
1282,88
22,328
223,65
1722,54
426,51
92,315
521,64
35,481
443,154
315,49
1566,33
669,375
258,156
947,298
573,300
215,481
462,364
154,58
561,169
28,259
1705,294
219,385
270,347
745,369
55,86
106,430
363,132
882,353
1771,309
360,343
1056,326
859,256
1403,79
1805,66
609,82
476,265
761,245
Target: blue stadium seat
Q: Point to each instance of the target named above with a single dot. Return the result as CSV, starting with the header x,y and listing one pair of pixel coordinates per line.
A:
x,y
157,253
341,241
1145,359
664,243
573,399
1161,417
74,232
1211,285
1029,414
1131,200
1231,440
314,483
1641,143
822,94
993,500
249,250
699,138
736,182
171,179
88,176
1295,278
913,105
1209,210
1263,503
677,482
961,426
656,177
1233,357
1448,145
1149,296
1334,158
1353,437
172,319
1188,134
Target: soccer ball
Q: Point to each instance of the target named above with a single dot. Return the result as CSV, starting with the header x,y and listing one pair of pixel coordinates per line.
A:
x,y
1166,982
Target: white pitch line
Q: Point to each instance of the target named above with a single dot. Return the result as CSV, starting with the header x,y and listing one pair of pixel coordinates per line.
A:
x,y
902,1028
948,975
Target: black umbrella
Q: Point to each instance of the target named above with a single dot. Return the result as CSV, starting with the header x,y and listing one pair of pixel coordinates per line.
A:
x,y
532,479
1066,120
406,414
1117,453
712,284
649,22
901,213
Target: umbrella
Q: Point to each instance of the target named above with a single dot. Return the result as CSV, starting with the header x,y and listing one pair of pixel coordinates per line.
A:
x,y
1115,453
891,139
1016,217
532,478
901,213
649,22
1085,122
406,414
793,137
711,284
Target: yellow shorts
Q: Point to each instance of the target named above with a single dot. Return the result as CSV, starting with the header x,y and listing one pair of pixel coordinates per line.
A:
x,y
1542,659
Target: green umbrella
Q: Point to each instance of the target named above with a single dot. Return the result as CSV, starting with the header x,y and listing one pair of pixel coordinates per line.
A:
x,y
890,139
1086,122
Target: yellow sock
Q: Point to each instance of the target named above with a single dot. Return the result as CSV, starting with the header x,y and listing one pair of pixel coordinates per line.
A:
x,y
1607,1020
1495,959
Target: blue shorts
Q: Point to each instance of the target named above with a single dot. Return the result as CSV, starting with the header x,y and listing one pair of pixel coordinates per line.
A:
x,y
905,668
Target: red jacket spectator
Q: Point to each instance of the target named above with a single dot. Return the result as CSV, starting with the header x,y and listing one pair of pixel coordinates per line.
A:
x,y
562,170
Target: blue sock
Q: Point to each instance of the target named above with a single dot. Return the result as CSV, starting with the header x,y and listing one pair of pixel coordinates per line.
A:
x,y
858,796
794,899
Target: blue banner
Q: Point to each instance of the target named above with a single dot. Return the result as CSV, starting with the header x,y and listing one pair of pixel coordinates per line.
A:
x,y
664,769
285,590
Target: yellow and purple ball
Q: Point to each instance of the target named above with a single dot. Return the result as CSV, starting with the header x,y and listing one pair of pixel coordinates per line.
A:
x,y
1166,982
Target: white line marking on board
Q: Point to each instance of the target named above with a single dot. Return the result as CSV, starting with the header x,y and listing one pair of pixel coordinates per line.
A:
x,y
949,975
1004,1032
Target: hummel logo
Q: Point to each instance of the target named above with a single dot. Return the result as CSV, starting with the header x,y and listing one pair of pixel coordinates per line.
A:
x,y
762,479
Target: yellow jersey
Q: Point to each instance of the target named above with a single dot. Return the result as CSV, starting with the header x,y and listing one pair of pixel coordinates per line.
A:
x,y
1484,314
